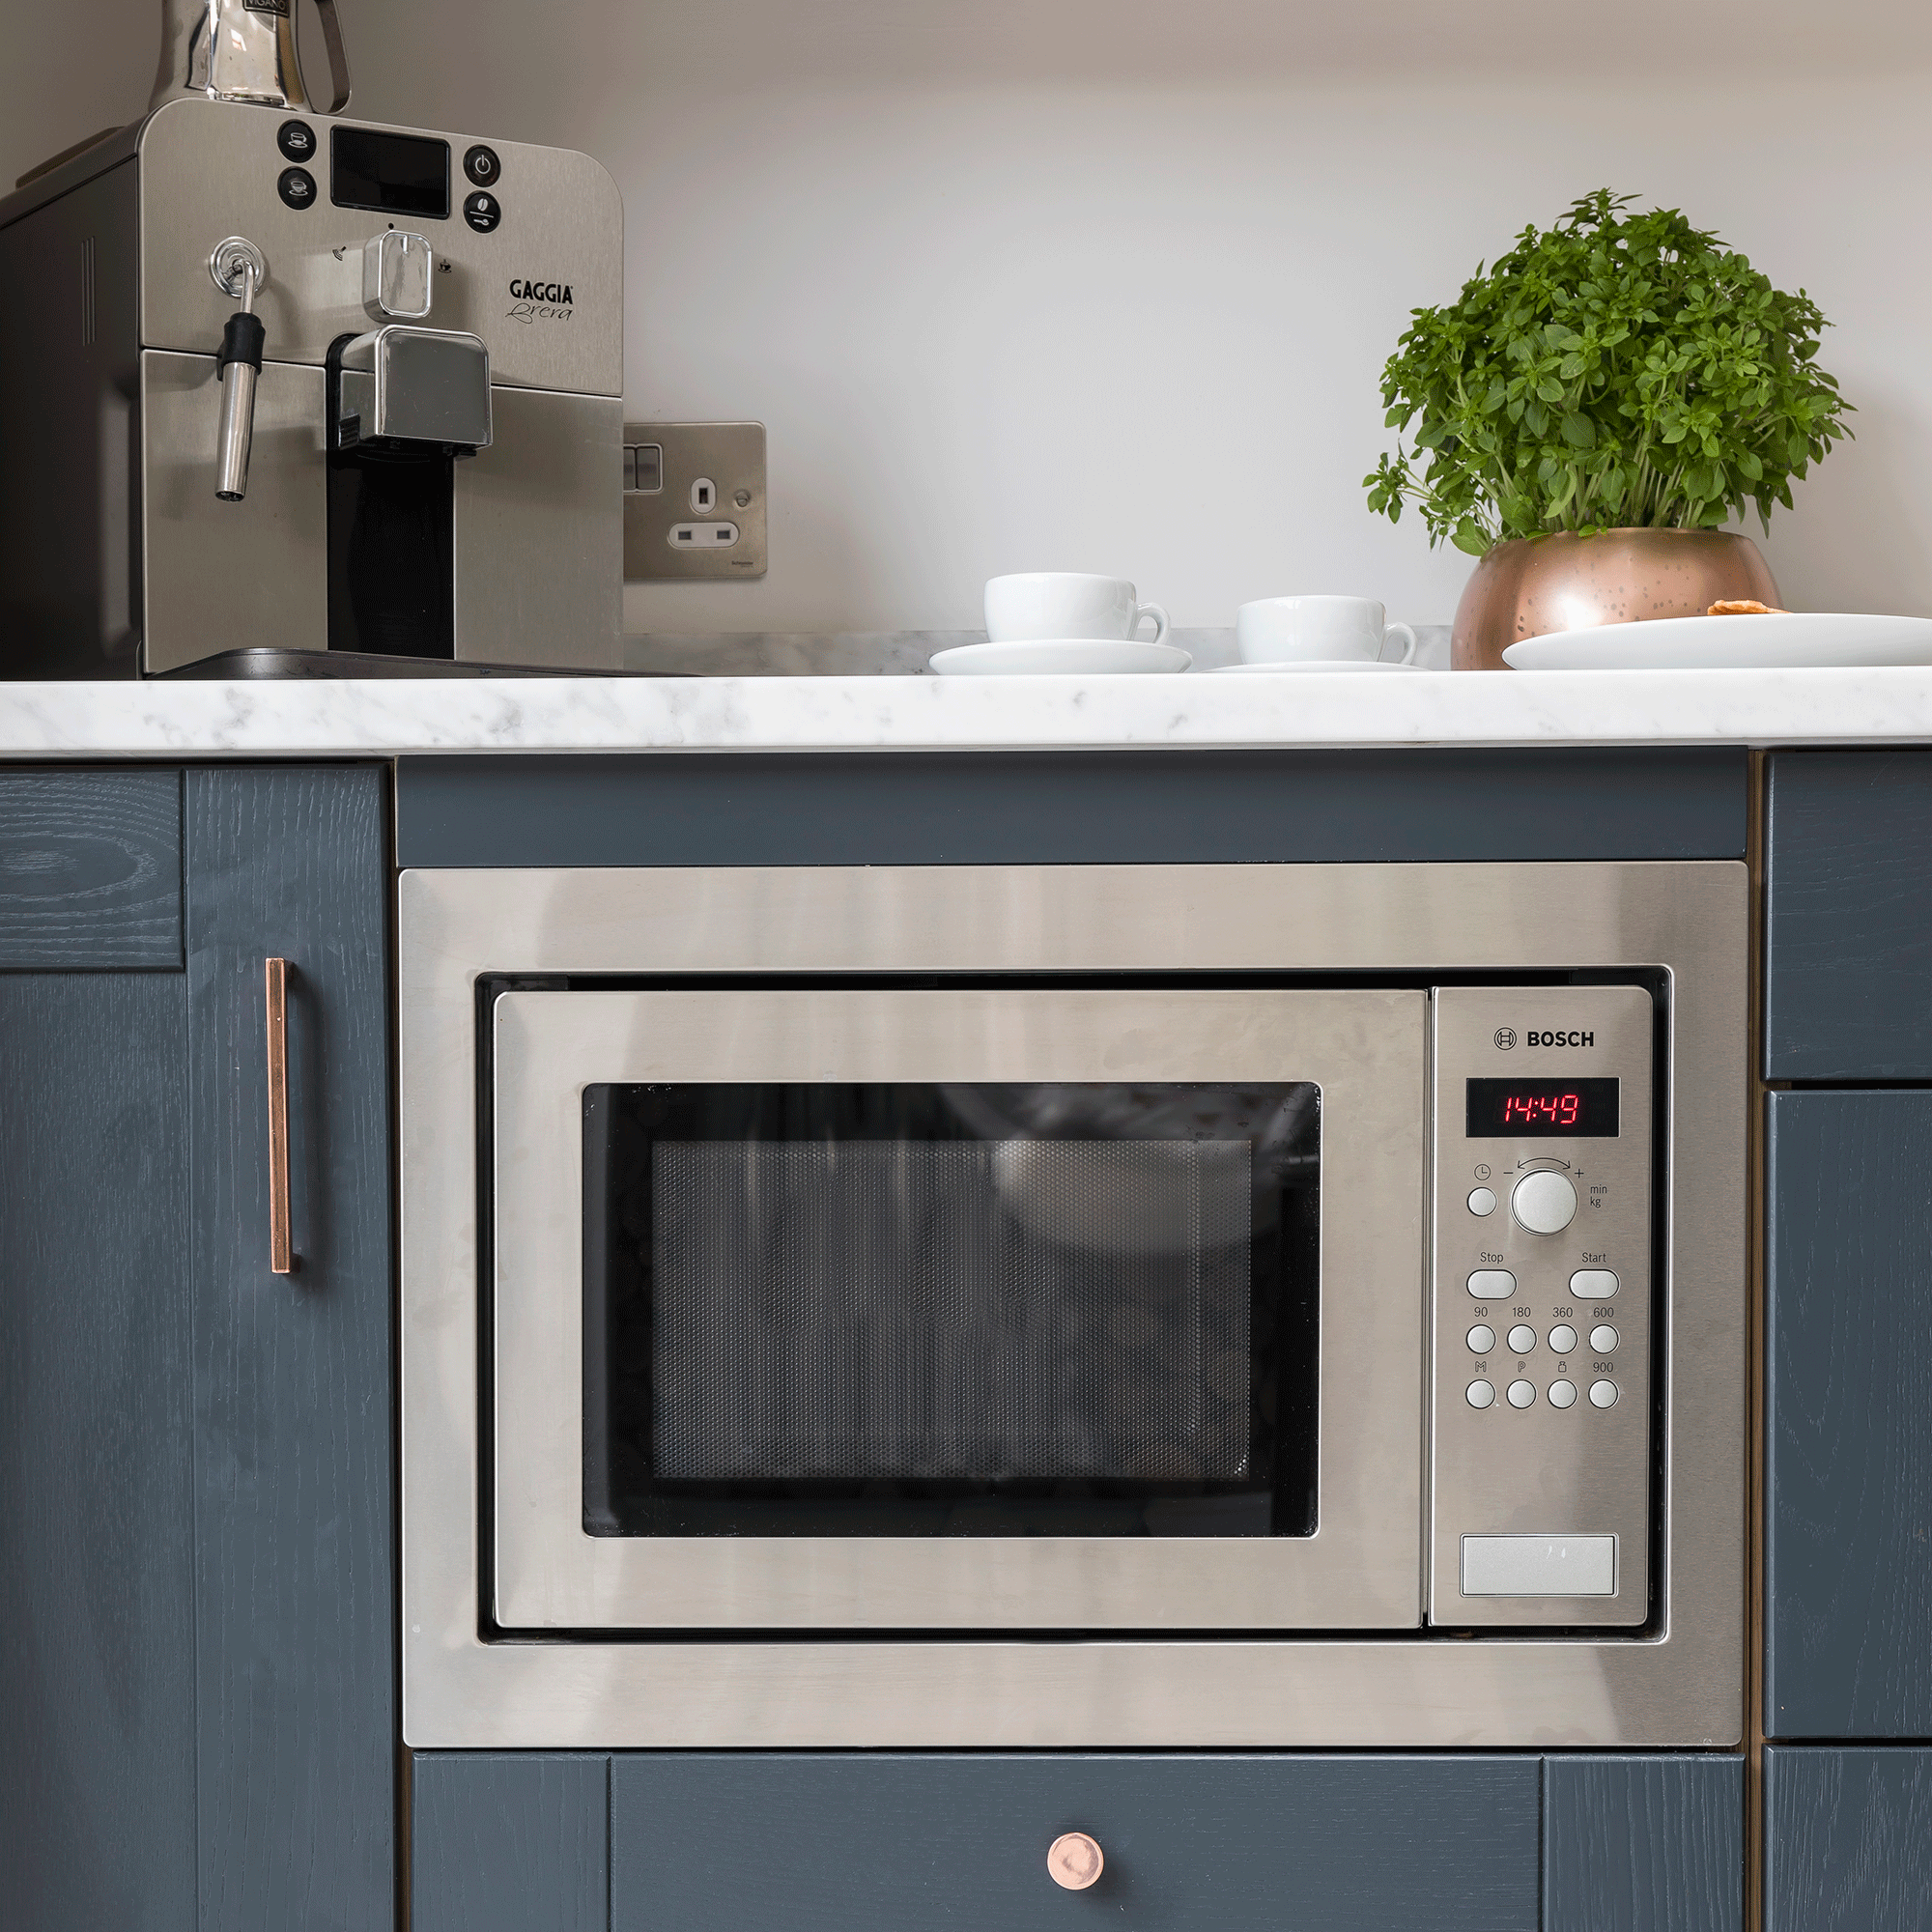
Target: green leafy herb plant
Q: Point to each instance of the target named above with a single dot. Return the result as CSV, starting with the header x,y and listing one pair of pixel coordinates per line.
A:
x,y
1617,371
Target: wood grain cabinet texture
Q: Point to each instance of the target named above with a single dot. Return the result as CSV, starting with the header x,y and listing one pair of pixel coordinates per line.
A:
x,y
293,1385
1643,1843
1225,1842
1849,917
1848,1476
1848,1836
90,870
197,1706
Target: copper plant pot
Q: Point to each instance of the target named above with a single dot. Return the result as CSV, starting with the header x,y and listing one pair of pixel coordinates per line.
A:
x,y
1530,585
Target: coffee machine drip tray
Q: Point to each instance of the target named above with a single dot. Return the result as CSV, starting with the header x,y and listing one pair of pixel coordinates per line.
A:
x,y
267,661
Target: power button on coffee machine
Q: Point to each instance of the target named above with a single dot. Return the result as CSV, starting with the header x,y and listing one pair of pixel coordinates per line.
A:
x,y
482,166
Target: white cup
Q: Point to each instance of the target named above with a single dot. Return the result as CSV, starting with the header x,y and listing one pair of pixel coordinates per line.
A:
x,y
1065,604
1330,630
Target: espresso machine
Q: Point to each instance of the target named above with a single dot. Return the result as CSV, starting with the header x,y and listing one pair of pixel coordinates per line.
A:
x,y
285,392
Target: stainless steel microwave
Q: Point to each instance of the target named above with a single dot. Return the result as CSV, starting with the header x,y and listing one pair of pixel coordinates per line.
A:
x,y
1093,1305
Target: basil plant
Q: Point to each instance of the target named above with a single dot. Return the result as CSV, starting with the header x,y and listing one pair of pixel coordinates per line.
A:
x,y
1617,370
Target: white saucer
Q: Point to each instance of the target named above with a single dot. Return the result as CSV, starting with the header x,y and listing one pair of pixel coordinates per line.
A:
x,y
1345,665
1042,657
1778,641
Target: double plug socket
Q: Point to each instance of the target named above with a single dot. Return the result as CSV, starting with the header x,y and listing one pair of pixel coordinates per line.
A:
x,y
694,501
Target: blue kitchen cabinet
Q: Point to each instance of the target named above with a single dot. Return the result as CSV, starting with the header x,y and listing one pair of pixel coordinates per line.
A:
x,y
1848,1838
1849,916
1643,1843
713,1841
1848,1416
197,1705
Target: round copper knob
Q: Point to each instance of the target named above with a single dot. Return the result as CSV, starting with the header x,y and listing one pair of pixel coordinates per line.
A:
x,y
1074,1861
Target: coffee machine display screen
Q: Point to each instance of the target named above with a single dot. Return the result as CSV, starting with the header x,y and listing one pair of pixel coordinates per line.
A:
x,y
393,174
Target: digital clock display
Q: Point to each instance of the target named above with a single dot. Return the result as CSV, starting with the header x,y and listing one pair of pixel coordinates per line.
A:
x,y
1534,1109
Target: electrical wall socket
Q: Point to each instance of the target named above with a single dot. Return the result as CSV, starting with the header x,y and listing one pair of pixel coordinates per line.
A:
x,y
694,501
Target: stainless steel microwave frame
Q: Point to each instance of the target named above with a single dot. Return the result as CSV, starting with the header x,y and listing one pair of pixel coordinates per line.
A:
x,y
520,1630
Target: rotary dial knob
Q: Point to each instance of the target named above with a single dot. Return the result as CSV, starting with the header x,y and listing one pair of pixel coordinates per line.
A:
x,y
1545,1202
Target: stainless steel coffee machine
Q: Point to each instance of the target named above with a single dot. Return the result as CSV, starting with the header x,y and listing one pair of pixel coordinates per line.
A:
x,y
286,391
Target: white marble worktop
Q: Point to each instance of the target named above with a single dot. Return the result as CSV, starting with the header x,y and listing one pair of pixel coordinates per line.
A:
x,y
384,716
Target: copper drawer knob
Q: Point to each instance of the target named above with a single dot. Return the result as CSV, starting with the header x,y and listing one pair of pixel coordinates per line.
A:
x,y
1074,1861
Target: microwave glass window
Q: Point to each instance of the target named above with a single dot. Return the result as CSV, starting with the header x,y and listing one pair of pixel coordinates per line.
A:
x,y
1535,1109
950,1310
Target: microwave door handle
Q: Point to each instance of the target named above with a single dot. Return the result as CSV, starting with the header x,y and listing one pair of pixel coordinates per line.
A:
x,y
281,1255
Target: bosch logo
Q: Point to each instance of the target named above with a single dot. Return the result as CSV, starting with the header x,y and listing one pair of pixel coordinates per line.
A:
x,y
1506,1037
1560,1038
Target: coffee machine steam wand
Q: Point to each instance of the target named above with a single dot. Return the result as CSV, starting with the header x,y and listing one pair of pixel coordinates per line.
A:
x,y
237,269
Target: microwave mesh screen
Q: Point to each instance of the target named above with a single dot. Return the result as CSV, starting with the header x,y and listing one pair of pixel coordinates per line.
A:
x,y
951,1309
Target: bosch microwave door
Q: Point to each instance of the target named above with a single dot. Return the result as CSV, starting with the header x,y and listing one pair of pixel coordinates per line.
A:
x,y
848,1308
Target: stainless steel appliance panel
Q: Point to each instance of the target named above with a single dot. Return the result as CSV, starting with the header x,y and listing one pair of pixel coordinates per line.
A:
x,y
250,573
540,534
70,484
1364,1049
1678,1684
209,169
1542,1423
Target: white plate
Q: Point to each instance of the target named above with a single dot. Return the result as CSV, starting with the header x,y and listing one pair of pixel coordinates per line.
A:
x,y
1345,665
1042,657
1780,641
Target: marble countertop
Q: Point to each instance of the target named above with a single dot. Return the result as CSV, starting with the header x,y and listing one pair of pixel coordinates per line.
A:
x,y
384,717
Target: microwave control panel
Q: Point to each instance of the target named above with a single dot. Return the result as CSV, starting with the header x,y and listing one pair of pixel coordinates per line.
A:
x,y
1540,1285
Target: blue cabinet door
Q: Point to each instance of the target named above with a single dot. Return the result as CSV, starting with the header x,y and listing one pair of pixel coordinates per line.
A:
x,y
1848,1838
294,1390
1848,1475
876,1842
715,1842
1849,917
197,1709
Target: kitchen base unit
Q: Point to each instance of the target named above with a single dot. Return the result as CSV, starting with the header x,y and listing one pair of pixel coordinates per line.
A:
x,y
1187,1842
197,1696
970,1252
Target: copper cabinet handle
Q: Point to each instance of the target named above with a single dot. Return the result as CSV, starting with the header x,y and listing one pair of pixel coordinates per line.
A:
x,y
281,1260
1074,1861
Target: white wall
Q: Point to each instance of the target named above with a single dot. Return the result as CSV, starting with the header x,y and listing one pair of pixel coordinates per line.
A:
x,y
1106,284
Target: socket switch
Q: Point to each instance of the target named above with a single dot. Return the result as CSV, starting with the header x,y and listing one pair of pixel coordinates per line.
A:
x,y
694,501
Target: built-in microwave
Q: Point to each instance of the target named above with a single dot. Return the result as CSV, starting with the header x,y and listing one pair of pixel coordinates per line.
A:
x,y
1007,1305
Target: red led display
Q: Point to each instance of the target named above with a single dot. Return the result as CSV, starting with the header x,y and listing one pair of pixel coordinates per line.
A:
x,y
1535,1108
1556,1110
